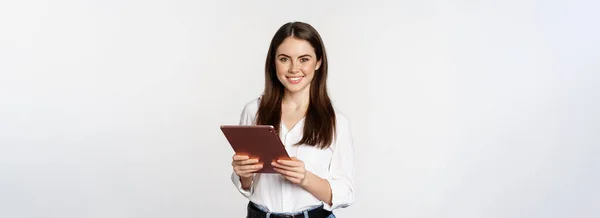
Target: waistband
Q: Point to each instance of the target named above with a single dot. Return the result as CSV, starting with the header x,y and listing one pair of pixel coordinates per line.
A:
x,y
266,210
256,210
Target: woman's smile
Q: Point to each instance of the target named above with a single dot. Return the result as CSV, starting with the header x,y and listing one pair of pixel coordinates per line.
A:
x,y
294,79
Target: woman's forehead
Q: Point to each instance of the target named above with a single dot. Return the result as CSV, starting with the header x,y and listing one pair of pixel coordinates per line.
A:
x,y
295,47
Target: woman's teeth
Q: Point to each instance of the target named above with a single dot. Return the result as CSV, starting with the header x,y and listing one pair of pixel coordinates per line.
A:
x,y
295,80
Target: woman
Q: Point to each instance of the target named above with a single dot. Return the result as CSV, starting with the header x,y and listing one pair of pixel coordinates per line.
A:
x,y
320,176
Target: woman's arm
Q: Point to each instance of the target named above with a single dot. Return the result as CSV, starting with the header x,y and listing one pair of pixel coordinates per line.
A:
x,y
337,190
246,182
341,167
318,187
243,167
294,171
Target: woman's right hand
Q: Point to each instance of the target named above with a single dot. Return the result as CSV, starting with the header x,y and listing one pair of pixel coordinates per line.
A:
x,y
245,167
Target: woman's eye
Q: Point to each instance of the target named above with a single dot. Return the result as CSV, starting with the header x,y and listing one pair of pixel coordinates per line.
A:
x,y
283,59
304,59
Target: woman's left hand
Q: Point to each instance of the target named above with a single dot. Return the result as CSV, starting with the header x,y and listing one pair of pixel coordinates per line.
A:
x,y
293,170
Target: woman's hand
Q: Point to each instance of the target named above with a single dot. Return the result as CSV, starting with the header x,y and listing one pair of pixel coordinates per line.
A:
x,y
293,170
245,167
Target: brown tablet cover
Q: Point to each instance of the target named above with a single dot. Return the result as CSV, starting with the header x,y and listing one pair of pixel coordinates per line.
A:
x,y
256,141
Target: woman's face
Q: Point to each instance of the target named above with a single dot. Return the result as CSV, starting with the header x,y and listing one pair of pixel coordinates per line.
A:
x,y
296,62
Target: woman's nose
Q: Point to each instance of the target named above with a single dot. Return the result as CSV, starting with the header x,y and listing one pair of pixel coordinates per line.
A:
x,y
294,68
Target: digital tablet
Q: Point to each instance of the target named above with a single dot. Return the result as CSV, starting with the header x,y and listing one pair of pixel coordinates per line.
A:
x,y
256,141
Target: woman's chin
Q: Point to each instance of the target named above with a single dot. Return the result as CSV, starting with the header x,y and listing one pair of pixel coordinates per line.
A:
x,y
295,88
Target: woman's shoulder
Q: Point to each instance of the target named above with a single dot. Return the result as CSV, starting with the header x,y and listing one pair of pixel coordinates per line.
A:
x,y
249,112
343,129
251,107
341,120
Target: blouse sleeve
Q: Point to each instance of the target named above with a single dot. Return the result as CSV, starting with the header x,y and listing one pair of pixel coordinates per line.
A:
x,y
341,169
245,119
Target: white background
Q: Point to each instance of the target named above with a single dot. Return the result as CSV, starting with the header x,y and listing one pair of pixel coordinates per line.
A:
x,y
458,108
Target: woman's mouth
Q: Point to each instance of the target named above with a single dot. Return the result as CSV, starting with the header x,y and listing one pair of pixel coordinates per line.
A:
x,y
295,79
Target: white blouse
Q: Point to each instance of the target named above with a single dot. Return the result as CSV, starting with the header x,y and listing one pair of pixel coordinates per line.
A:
x,y
335,164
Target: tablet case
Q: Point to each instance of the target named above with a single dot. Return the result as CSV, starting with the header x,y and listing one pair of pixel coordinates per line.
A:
x,y
256,141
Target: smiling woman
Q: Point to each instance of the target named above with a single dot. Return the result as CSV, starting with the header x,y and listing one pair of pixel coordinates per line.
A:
x,y
320,176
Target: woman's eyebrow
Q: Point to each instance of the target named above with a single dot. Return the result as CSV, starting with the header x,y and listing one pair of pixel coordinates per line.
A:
x,y
301,56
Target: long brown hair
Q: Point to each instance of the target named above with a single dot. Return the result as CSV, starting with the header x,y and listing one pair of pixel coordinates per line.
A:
x,y
319,122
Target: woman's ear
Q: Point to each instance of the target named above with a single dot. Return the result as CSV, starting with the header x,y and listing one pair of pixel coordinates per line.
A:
x,y
318,65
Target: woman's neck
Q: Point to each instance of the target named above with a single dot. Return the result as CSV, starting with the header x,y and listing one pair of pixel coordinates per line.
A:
x,y
296,100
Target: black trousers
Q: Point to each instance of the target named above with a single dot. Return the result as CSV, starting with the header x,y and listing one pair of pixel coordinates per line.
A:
x,y
255,212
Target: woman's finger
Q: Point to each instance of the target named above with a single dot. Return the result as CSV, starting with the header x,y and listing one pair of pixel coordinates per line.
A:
x,y
284,167
292,179
247,161
289,173
292,163
247,173
250,167
240,157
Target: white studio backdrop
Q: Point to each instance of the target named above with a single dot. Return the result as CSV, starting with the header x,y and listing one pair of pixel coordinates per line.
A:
x,y
458,108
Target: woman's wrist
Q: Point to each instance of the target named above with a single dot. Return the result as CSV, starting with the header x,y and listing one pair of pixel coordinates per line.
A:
x,y
308,178
246,182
